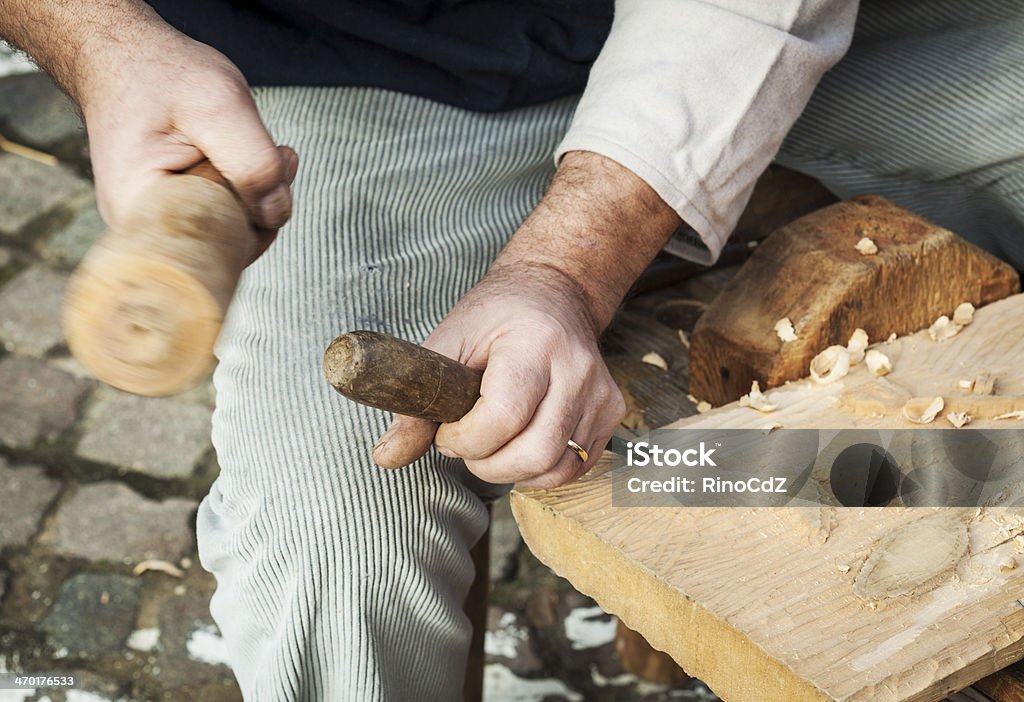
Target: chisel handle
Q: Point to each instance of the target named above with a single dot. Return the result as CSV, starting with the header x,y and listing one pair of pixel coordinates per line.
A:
x,y
381,371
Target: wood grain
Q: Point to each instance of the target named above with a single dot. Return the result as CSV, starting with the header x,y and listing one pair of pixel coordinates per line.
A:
x,y
761,603
1005,686
811,272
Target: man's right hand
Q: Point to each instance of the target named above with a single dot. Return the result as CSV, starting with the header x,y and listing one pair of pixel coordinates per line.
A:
x,y
159,102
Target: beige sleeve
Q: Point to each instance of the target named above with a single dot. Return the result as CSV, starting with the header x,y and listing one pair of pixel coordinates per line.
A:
x,y
696,96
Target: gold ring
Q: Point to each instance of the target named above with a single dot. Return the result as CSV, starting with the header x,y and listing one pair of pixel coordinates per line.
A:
x,y
578,450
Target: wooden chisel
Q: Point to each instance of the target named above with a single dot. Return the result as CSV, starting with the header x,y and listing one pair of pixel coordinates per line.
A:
x,y
391,374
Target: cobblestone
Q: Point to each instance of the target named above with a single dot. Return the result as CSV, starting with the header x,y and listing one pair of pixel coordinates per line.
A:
x,y
508,642
163,438
34,112
39,401
109,521
192,650
93,615
31,191
26,494
71,242
30,310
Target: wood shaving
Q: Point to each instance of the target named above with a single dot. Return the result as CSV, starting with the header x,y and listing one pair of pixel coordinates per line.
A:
x,y
965,384
1019,414
784,329
877,362
692,399
923,410
867,247
756,399
683,338
703,407
830,365
958,419
856,345
843,568
27,152
942,329
159,566
963,314
655,359
1008,564
892,338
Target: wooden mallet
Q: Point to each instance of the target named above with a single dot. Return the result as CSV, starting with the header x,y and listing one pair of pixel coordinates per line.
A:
x,y
145,306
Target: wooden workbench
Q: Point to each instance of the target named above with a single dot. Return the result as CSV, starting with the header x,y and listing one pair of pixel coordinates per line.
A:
x,y
770,603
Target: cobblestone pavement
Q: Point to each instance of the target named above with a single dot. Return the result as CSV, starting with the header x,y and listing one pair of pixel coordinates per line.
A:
x,y
98,490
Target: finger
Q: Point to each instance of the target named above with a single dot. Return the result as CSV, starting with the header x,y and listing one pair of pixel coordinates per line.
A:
x,y
266,237
540,446
404,442
510,391
592,434
231,134
291,163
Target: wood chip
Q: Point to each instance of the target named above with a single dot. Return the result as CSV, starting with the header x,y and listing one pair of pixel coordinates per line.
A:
x,y
756,400
655,359
684,339
943,329
856,346
830,365
867,247
984,384
159,566
703,406
1007,564
877,362
958,419
965,384
963,314
892,338
923,410
27,152
784,330
1019,414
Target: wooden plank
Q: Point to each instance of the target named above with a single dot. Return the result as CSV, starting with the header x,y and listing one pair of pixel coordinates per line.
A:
x,y
761,603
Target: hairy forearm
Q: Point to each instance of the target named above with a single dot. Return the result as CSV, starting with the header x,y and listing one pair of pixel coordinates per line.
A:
x,y
598,226
69,38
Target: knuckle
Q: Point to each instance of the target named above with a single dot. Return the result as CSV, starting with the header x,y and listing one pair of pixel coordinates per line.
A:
x,y
616,404
549,453
223,93
513,412
261,172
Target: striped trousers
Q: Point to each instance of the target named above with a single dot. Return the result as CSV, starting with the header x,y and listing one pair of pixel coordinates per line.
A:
x,y
339,581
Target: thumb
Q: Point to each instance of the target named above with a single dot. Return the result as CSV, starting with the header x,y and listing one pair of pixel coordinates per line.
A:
x,y
405,441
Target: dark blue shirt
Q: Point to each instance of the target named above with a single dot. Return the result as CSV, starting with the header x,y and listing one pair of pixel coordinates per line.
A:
x,y
484,55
